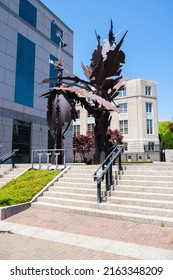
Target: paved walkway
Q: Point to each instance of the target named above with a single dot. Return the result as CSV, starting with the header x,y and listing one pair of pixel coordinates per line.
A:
x,y
44,234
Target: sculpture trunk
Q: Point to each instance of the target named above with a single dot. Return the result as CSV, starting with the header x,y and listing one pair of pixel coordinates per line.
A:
x,y
101,141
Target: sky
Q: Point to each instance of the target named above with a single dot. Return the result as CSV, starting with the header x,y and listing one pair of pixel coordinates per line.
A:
x,y
148,45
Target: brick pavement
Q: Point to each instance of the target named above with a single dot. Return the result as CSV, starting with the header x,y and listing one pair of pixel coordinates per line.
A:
x,y
17,246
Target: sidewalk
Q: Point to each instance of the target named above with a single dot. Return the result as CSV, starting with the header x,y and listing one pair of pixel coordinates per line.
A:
x,y
45,234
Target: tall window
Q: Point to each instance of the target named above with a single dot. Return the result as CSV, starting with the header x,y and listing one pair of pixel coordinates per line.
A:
x,y
25,66
78,114
90,127
76,130
28,12
56,33
122,92
123,126
147,90
123,108
149,126
52,72
149,107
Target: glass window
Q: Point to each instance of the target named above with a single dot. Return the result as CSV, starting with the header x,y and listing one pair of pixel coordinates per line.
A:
x,y
28,12
53,73
78,114
76,130
123,108
21,140
56,33
148,107
148,90
122,92
123,126
90,127
149,126
150,146
25,66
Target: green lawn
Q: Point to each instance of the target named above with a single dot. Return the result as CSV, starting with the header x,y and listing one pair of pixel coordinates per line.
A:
x,y
25,187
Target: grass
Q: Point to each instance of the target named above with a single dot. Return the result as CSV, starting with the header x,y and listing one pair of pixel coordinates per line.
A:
x,y
25,187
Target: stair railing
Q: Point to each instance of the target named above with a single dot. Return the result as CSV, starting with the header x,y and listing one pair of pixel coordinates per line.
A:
x,y
12,155
105,170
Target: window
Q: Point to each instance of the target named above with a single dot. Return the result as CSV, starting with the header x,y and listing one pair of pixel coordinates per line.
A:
x,y
147,90
123,108
122,92
149,126
90,127
56,34
28,12
123,126
148,107
21,140
150,146
76,130
52,72
25,66
78,114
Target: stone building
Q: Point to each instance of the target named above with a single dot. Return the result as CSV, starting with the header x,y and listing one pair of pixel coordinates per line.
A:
x,y
28,40
137,120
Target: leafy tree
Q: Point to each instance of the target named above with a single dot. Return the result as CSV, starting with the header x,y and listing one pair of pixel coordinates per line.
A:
x,y
166,134
83,144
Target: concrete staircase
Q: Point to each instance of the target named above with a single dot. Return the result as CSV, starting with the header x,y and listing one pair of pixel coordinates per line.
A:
x,y
143,193
7,173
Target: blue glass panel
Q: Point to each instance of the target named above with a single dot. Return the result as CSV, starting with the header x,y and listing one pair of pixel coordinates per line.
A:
x,y
54,36
28,12
52,71
25,66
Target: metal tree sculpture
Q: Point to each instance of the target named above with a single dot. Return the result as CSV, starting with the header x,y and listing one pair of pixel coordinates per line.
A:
x,y
102,87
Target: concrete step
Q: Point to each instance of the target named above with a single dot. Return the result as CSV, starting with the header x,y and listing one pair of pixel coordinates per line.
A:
x,y
70,189
70,195
154,202
142,195
76,184
146,183
70,180
108,206
149,166
147,177
150,172
148,189
105,213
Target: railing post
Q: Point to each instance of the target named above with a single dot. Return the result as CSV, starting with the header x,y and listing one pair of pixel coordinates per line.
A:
x,y
98,191
48,154
39,156
119,163
13,161
110,174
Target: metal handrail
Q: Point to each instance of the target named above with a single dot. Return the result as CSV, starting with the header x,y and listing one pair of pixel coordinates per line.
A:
x,y
106,167
48,153
8,156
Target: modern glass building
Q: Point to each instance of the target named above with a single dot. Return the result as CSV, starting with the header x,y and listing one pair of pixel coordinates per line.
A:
x,y
28,40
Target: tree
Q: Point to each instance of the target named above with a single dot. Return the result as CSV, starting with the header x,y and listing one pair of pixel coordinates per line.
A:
x,y
103,85
166,135
83,144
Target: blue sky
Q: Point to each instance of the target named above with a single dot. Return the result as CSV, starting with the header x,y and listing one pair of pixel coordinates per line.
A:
x,y
148,45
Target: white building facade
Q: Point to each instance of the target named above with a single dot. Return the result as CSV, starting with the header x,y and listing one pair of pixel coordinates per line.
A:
x,y
28,41
137,120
